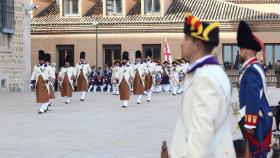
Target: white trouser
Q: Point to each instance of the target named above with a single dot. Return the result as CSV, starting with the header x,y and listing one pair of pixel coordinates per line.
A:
x,y
101,88
149,94
90,87
83,95
50,101
108,87
174,90
158,88
117,92
171,88
115,89
68,99
166,87
139,98
44,106
94,88
180,89
125,102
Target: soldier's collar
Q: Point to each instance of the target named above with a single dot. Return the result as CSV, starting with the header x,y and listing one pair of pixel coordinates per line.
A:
x,y
249,62
206,60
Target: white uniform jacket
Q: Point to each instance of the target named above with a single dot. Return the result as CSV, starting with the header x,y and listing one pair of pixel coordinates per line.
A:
x,y
205,108
125,72
71,72
85,68
174,76
43,70
141,70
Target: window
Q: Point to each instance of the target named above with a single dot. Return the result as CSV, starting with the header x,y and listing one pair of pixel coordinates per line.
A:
x,y
152,6
230,56
272,52
154,48
63,51
269,55
111,53
7,16
277,53
114,7
71,7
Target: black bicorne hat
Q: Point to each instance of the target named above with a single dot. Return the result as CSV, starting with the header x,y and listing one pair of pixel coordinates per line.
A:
x,y
246,39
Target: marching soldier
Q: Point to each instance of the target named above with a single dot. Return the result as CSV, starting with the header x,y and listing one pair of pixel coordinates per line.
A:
x,y
39,80
256,122
185,64
52,78
66,77
83,70
149,72
138,74
203,127
107,78
115,77
125,77
181,76
174,77
165,77
158,77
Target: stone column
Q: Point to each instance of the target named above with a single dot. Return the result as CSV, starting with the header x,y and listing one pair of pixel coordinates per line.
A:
x,y
26,47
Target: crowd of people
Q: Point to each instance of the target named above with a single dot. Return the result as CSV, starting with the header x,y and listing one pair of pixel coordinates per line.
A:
x,y
143,77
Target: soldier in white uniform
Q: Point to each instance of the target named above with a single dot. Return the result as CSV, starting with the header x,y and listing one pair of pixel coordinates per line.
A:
x,y
39,80
203,128
138,74
174,77
185,64
83,70
181,76
52,78
125,77
149,68
66,76
158,77
115,77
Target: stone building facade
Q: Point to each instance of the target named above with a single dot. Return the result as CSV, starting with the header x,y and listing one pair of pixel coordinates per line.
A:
x,y
66,27
12,13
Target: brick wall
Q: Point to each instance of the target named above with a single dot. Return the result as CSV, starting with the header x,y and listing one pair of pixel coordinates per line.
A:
x,y
11,52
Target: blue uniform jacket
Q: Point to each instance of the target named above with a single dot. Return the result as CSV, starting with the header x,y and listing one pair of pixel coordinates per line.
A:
x,y
258,113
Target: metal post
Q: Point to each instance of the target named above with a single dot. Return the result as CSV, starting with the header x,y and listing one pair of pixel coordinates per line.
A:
x,y
96,44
